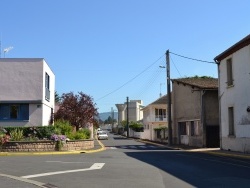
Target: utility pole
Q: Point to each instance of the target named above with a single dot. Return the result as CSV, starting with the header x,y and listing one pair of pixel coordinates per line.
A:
x,y
112,118
127,119
169,99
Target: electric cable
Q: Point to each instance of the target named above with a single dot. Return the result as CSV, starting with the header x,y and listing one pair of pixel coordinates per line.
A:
x,y
175,66
192,58
131,79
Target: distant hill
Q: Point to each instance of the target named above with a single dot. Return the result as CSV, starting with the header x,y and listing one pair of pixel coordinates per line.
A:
x,y
103,116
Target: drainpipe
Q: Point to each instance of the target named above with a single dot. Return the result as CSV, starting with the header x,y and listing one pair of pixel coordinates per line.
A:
x,y
204,132
219,98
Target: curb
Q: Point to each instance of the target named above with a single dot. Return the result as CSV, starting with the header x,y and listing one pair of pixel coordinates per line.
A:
x,y
54,152
211,151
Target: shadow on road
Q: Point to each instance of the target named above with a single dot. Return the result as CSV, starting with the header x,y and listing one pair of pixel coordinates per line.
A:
x,y
119,138
196,169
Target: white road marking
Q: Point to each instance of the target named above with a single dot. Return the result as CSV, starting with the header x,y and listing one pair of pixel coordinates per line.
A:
x,y
133,147
40,184
124,147
95,166
111,148
64,162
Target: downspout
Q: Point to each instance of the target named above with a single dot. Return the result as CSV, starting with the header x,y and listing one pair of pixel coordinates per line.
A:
x,y
219,98
204,132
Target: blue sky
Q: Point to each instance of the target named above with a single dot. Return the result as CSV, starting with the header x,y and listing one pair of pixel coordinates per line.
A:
x,y
112,49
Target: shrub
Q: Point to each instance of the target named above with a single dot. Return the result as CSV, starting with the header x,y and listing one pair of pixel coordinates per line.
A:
x,y
137,127
16,135
46,131
4,138
63,126
79,135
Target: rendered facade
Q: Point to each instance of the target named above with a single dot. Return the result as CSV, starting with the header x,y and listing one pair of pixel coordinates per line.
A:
x,y
27,89
155,120
234,94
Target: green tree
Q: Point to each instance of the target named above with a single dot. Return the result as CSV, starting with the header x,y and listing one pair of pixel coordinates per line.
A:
x,y
135,126
124,123
109,120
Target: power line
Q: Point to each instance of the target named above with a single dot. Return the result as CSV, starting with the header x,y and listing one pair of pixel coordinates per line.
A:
x,y
131,79
175,66
192,58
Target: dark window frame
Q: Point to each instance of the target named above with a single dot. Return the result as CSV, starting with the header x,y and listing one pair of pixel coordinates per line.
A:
x,y
14,112
47,86
230,80
231,126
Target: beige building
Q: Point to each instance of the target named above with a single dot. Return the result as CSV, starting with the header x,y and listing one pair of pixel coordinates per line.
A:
x,y
195,111
155,120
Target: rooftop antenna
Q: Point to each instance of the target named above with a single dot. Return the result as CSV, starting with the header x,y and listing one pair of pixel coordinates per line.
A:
x,y
160,88
6,50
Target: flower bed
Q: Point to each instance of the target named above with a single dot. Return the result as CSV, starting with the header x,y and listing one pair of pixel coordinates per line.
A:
x,y
48,145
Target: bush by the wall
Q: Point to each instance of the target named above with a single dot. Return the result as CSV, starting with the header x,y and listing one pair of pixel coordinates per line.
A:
x,y
64,126
79,135
16,135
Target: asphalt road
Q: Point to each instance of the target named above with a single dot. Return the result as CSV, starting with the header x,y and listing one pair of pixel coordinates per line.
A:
x,y
125,163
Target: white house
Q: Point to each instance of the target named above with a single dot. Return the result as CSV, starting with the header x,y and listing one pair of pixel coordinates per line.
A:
x,y
27,92
234,95
155,120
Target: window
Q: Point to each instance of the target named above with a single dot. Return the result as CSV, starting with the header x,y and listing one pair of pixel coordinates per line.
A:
x,y
229,72
14,112
158,133
192,128
231,121
47,87
160,114
183,128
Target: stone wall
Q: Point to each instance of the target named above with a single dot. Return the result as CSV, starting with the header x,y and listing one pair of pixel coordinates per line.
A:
x,y
43,146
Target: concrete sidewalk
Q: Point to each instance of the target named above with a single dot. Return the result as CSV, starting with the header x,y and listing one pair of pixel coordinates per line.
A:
x,y
212,151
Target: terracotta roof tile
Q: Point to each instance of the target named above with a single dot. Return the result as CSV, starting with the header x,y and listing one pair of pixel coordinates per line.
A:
x,y
200,82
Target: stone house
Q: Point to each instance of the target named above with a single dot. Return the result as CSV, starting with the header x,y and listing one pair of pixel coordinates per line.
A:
x,y
195,111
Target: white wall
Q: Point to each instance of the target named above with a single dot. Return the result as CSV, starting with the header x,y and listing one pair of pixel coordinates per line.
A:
x,y
149,120
23,79
237,97
47,70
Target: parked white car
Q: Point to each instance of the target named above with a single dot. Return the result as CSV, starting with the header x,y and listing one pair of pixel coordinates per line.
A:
x,y
102,136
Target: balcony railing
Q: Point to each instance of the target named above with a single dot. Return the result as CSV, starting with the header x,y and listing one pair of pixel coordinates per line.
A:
x,y
160,118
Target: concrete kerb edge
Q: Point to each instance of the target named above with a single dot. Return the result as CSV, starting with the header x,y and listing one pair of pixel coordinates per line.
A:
x,y
217,153
54,152
242,156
